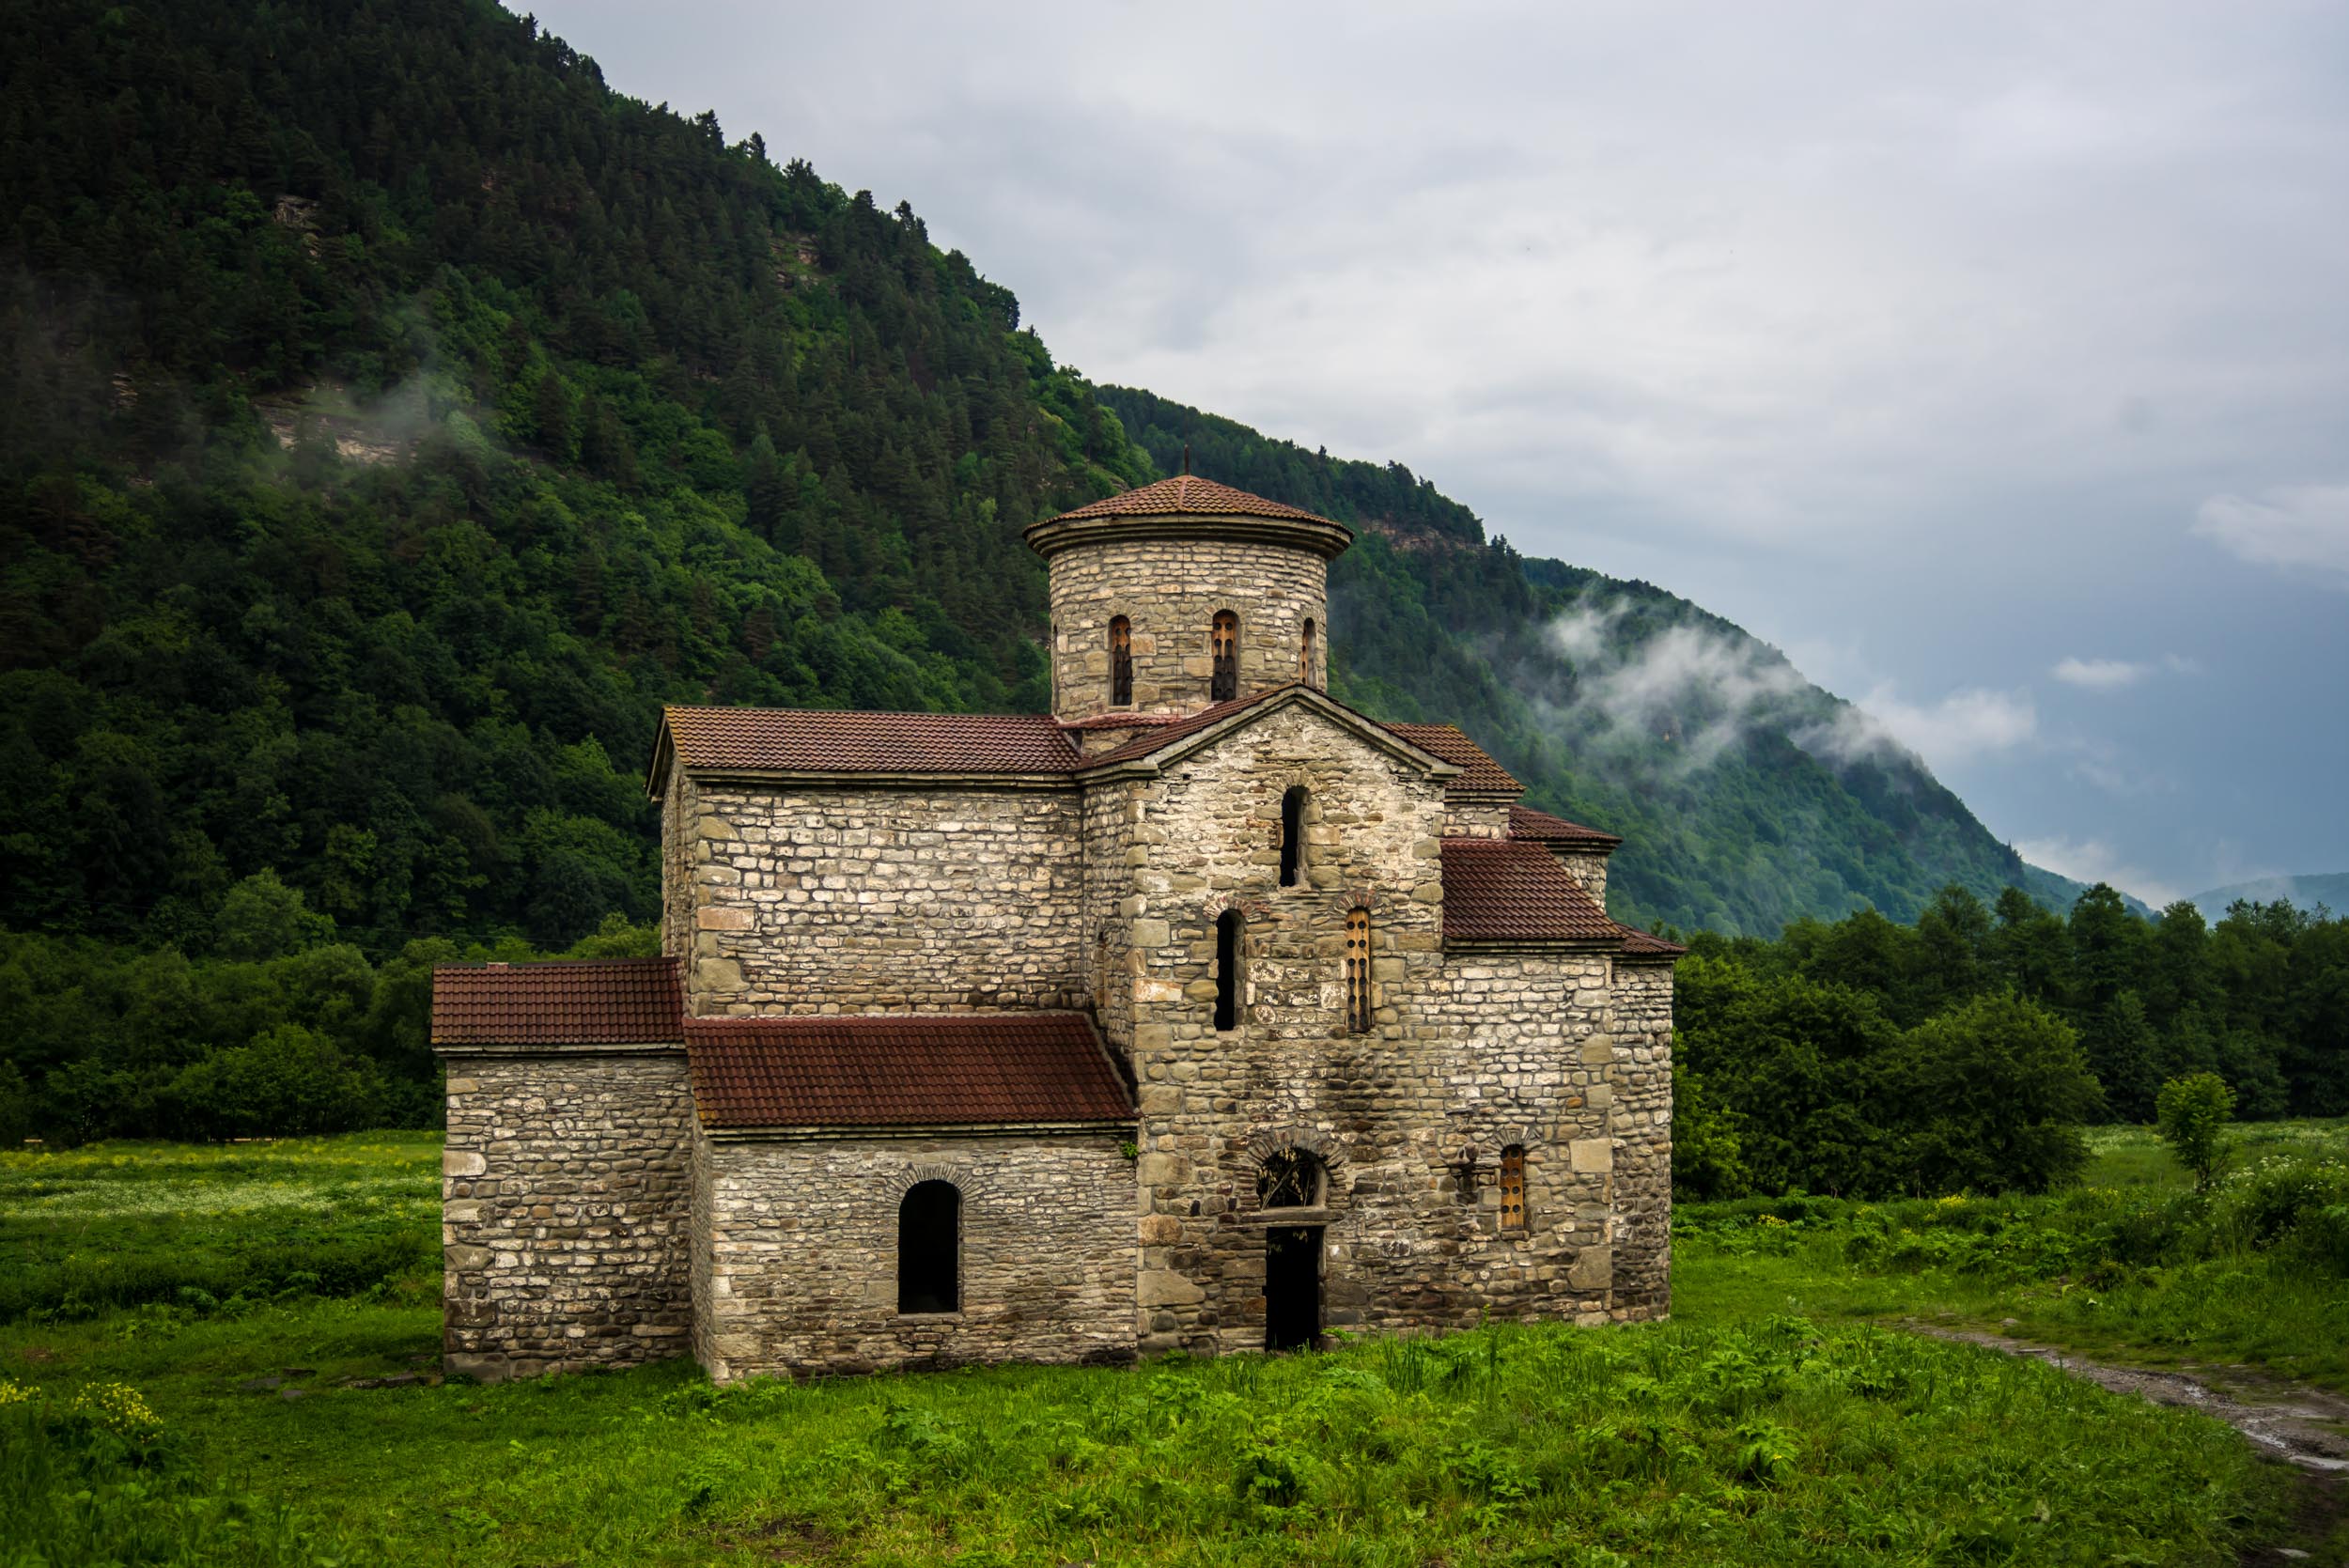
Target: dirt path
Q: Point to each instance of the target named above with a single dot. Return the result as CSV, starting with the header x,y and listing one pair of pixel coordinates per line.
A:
x,y
2291,1420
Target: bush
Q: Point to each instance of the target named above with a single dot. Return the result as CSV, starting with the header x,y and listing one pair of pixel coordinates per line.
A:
x,y
287,1082
2191,1112
1994,1094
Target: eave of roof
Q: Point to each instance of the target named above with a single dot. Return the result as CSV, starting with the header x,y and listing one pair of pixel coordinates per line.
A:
x,y
1187,504
1539,826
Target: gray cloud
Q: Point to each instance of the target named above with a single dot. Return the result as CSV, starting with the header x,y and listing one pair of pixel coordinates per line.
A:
x,y
1931,332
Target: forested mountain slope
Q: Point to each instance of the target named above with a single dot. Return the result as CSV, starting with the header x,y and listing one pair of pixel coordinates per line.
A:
x,y
1749,796
392,416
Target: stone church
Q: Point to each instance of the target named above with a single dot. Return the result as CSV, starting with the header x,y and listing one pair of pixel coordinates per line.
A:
x,y
1206,1013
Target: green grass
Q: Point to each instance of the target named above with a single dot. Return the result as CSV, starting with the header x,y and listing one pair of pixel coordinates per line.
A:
x,y
1750,1431
2126,1266
121,1225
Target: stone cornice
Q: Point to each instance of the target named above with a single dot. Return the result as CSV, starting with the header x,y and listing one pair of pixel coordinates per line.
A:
x,y
864,779
1316,536
454,1051
947,1129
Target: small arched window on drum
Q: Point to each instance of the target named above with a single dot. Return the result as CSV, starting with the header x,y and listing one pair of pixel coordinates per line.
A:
x,y
1121,661
1305,654
1223,644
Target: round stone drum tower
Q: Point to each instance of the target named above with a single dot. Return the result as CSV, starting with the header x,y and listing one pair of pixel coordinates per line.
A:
x,y
1179,594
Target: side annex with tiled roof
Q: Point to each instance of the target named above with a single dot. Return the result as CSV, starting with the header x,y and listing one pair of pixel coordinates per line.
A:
x,y
1204,1012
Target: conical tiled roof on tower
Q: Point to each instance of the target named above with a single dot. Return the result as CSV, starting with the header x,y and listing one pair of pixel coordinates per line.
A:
x,y
1188,495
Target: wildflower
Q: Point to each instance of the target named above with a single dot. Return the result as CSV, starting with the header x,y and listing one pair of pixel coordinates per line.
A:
x,y
13,1392
121,1409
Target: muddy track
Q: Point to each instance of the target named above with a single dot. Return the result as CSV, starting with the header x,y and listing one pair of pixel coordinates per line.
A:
x,y
2292,1421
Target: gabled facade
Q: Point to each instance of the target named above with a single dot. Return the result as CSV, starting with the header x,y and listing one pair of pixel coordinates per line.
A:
x,y
1204,1013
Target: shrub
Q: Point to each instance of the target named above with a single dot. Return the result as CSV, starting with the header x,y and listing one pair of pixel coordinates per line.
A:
x,y
2191,1114
1994,1093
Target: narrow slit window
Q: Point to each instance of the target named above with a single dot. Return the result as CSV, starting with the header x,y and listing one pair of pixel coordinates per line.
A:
x,y
929,1248
1223,642
1121,661
1292,835
1358,970
1305,654
1227,935
1513,1188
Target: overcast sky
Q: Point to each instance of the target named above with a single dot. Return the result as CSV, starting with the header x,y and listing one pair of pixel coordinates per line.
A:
x,y
1991,360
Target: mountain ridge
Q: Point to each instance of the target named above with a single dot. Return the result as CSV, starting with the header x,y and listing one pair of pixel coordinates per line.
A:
x,y
2326,889
395,416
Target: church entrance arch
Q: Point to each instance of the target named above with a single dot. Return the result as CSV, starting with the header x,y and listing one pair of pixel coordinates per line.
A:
x,y
1292,1287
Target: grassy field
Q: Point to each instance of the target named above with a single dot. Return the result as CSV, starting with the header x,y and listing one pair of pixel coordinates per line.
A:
x,y
2129,1265
208,1360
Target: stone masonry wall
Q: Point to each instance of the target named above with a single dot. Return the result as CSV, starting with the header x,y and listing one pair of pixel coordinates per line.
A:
x,y
1526,1062
678,806
1586,868
803,1246
564,1206
884,899
1213,1104
1474,816
1169,590
1642,1078
1110,811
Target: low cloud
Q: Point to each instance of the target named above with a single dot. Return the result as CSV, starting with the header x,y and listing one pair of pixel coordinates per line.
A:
x,y
2093,861
1705,689
1699,688
2289,526
1956,729
2100,675
2112,675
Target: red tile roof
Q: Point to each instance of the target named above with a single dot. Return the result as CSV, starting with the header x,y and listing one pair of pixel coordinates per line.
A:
x,y
1188,495
1187,725
958,1069
601,1002
1479,773
1639,944
781,739
1539,826
1500,890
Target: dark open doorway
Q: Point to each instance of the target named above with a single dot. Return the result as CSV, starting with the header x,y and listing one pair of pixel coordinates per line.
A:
x,y
1292,1287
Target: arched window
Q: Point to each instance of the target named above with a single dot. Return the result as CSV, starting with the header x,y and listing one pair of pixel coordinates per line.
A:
x,y
1121,660
1305,654
929,1248
1513,1188
1223,642
1293,1180
1292,835
1227,933
1357,970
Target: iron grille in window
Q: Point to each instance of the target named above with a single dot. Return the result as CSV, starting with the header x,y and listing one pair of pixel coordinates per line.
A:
x,y
1358,970
1121,661
1305,654
1290,1181
1224,642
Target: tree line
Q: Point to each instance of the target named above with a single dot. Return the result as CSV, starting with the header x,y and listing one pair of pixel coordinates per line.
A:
x,y
1966,1051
